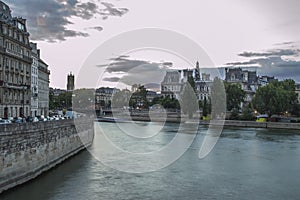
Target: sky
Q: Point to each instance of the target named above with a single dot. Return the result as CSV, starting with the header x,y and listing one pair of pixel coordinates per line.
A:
x,y
74,35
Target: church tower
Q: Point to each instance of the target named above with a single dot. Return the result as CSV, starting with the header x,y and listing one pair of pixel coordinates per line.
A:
x,y
70,83
197,72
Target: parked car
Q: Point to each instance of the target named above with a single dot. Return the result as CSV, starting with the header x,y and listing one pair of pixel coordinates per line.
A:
x,y
35,119
29,119
5,121
19,120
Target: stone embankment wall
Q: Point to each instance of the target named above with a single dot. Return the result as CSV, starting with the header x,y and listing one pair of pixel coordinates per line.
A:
x,y
27,150
253,124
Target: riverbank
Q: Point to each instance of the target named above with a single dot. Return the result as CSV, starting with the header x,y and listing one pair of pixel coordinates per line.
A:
x,y
253,124
27,150
229,123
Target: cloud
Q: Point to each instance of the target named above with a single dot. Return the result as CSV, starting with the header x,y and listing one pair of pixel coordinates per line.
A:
x,y
111,10
97,28
281,63
134,71
48,20
123,64
112,79
277,52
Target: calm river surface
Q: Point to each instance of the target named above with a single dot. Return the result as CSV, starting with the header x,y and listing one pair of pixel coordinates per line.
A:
x,y
245,164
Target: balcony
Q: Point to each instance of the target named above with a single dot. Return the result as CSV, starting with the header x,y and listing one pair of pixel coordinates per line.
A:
x,y
16,54
27,58
15,86
8,51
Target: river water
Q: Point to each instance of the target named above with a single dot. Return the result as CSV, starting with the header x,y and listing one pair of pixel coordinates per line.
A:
x,y
245,164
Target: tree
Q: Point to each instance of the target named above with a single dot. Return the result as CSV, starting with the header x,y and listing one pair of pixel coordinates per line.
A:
x,y
234,96
247,114
234,114
166,102
218,99
276,97
188,101
63,100
121,99
139,98
205,108
191,81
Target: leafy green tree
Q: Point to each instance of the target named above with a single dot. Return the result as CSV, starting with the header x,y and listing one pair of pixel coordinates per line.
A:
x,y
276,97
63,100
191,81
83,98
234,96
218,99
188,101
205,108
247,114
121,99
234,114
166,102
139,98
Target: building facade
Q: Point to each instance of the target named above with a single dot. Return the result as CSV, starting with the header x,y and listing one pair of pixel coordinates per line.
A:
x,y
246,78
297,90
34,79
103,96
173,83
15,65
43,88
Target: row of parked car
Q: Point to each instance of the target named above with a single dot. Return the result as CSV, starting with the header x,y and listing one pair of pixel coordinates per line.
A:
x,y
32,119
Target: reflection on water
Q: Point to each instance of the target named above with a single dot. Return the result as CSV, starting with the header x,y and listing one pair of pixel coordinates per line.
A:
x,y
245,164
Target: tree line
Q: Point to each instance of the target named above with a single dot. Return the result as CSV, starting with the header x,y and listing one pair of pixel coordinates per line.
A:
x,y
276,98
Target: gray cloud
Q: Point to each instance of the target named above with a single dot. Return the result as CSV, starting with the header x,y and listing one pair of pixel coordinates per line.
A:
x,y
111,10
112,79
134,71
124,65
277,52
48,20
281,63
97,28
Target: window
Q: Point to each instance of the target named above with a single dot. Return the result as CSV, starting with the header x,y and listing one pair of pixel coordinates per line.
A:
x,y
5,30
10,33
21,38
26,40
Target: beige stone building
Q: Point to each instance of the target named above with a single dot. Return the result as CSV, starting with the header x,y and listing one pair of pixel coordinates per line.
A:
x,y
15,65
